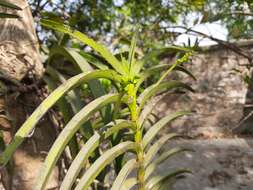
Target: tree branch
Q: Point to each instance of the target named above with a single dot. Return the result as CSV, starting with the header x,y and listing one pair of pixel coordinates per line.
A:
x,y
223,43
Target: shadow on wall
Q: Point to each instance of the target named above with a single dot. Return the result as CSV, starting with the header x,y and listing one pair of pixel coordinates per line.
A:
x,y
219,101
245,125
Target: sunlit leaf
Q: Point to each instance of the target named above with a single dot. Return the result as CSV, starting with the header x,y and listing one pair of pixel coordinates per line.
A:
x,y
30,123
153,150
153,131
102,50
101,162
160,159
67,133
79,162
157,180
155,89
127,168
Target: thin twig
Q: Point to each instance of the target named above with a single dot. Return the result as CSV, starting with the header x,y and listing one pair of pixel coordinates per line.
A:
x,y
242,121
226,44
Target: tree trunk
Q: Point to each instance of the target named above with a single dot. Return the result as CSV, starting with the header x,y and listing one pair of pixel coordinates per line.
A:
x,y
20,71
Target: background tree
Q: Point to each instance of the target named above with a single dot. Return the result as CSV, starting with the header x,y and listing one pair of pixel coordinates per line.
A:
x,y
21,70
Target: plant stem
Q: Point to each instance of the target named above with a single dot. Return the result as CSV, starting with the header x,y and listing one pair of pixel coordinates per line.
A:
x,y
138,136
140,160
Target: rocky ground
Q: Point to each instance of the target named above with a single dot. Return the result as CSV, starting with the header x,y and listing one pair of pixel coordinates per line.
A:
x,y
217,164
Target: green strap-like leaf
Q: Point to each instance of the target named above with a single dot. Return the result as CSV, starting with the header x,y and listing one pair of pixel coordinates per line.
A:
x,y
127,168
154,89
129,183
74,100
164,185
9,5
116,126
30,123
95,60
158,68
131,53
153,150
66,110
158,180
102,50
73,56
186,71
95,86
101,162
158,54
67,133
80,161
6,15
73,97
153,131
62,103
147,110
184,58
151,167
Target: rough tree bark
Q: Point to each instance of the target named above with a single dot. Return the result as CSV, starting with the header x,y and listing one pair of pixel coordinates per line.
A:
x,y
20,70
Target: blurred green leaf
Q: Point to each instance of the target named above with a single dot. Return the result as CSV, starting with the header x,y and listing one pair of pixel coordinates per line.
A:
x,y
9,5
6,15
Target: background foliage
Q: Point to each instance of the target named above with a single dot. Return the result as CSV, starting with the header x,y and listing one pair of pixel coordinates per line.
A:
x,y
115,19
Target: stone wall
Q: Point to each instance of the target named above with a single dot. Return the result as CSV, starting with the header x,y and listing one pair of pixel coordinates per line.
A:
x,y
219,100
